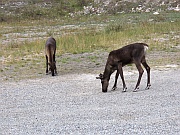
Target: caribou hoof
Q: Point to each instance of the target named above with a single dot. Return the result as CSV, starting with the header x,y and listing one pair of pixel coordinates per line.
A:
x,y
148,86
124,89
135,90
114,88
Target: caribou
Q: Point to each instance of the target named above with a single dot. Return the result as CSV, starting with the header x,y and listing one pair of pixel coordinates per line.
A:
x,y
132,53
50,51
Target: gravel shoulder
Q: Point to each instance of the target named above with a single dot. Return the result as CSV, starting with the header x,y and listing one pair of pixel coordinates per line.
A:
x,y
74,104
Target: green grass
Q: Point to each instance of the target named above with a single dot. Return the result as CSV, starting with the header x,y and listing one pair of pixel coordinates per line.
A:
x,y
38,9
114,35
160,32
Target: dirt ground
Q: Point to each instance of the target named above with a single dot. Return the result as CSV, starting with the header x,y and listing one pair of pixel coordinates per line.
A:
x,y
95,62
83,63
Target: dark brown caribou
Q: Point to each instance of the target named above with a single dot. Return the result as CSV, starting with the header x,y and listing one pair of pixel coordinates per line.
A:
x,y
133,53
50,51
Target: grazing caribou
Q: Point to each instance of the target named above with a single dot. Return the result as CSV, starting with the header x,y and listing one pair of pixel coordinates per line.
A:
x,y
133,53
50,51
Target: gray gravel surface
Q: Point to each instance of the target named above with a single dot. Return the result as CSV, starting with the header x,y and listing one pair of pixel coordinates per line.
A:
x,y
74,104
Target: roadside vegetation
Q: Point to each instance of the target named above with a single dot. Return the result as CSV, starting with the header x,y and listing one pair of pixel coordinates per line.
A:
x,y
24,32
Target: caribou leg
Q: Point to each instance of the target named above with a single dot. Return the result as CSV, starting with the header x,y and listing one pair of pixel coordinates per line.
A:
x,y
122,77
115,83
140,69
54,64
148,74
46,65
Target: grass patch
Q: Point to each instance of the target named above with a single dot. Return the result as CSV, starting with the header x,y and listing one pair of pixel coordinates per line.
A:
x,y
112,36
85,34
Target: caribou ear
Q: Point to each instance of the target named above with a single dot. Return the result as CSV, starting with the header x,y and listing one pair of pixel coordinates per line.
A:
x,y
100,76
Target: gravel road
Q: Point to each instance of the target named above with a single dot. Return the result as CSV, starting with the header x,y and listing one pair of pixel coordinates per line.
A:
x,y
74,104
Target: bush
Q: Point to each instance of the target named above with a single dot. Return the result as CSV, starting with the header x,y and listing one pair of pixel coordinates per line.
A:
x,y
37,9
